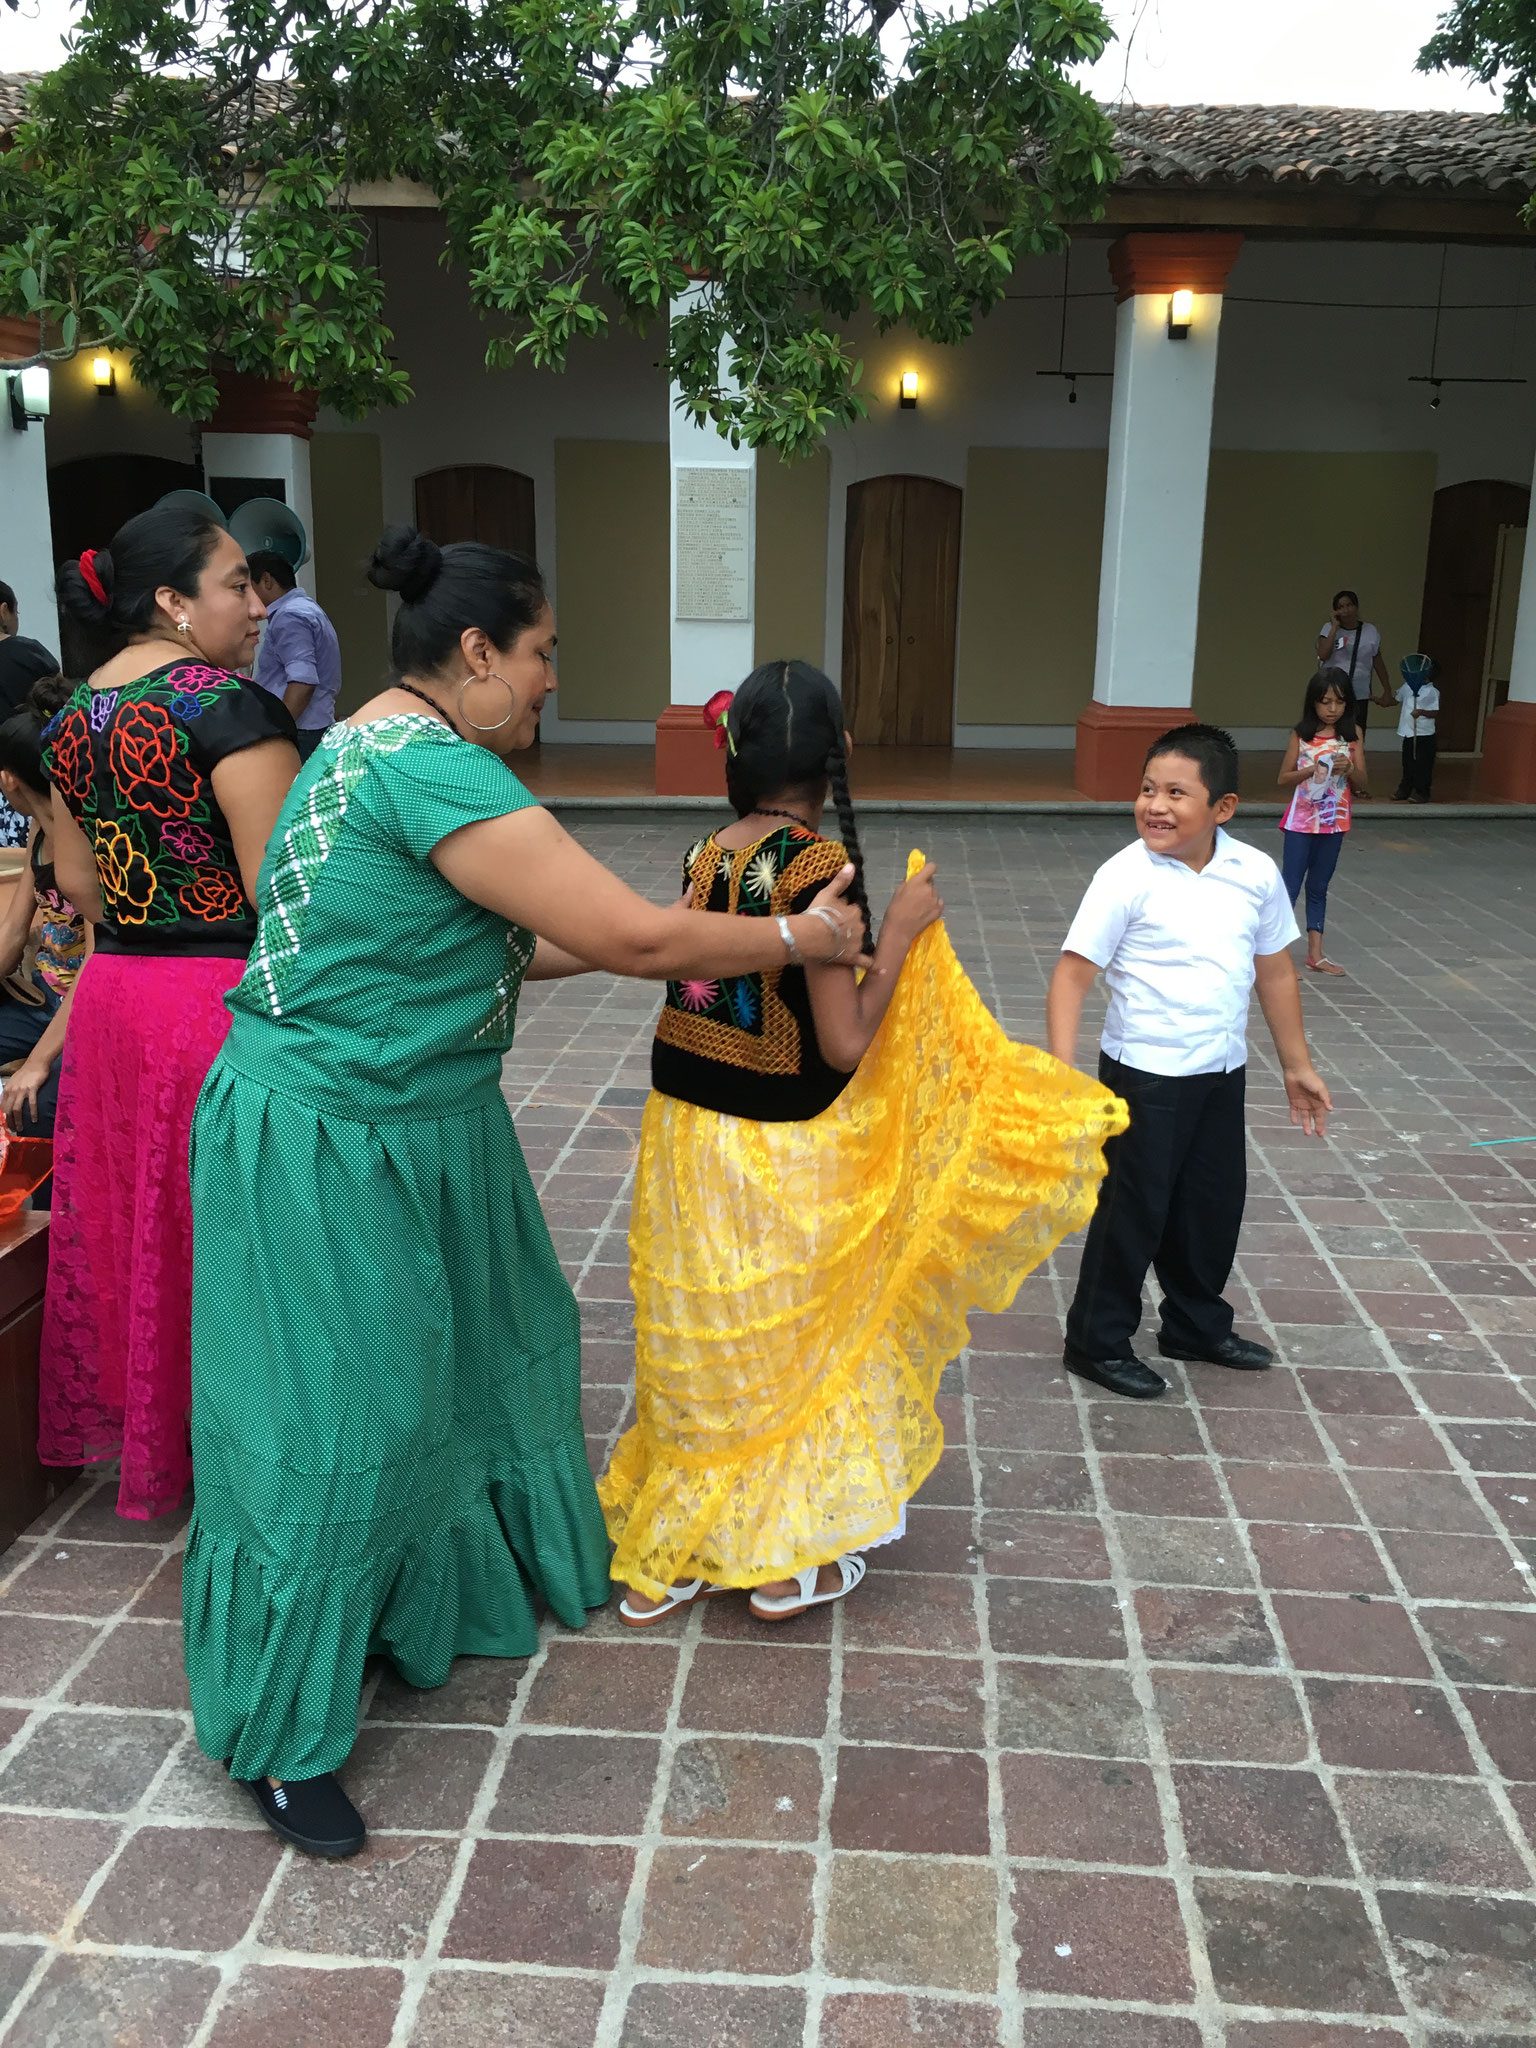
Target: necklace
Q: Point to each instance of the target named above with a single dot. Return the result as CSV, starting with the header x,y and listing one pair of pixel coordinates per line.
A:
x,y
768,811
412,691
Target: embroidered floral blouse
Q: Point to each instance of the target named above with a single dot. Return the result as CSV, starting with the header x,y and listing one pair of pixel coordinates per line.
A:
x,y
135,766
746,1046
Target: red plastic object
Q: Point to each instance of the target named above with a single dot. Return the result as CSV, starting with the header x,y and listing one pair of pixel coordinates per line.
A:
x,y
27,1164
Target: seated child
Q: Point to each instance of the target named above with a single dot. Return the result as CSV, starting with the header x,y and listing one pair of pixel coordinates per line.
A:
x,y
1183,924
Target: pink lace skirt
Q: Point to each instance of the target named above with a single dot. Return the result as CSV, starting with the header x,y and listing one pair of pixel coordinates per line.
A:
x,y
116,1349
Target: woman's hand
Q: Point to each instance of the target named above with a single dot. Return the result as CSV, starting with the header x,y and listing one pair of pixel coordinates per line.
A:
x,y
22,1090
915,905
829,929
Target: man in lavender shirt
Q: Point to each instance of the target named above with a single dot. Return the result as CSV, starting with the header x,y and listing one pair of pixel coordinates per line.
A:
x,y
300,657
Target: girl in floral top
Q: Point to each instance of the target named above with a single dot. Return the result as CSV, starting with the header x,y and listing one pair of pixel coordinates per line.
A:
x,y
172,767
1324,767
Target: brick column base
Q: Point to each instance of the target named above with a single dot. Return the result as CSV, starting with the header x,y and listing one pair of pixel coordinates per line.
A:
x,y
688,763
1508,767
1112,743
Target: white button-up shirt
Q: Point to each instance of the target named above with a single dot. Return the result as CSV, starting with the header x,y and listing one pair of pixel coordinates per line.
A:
x,y
1177,950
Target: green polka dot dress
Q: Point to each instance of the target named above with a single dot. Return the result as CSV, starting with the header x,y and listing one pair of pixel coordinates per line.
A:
x,y
386,1430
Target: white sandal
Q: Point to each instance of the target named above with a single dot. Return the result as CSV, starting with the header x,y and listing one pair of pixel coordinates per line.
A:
x,y
677,1596
851,1571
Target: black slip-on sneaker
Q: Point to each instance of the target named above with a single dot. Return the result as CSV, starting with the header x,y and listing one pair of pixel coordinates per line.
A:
x,y
312,1813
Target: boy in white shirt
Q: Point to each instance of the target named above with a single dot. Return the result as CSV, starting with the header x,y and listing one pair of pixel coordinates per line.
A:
x,y
1184,923
1419,701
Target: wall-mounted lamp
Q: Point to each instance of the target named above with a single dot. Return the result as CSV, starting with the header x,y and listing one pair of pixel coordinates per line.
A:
x,y
1181,310
103,375
29,395
908,390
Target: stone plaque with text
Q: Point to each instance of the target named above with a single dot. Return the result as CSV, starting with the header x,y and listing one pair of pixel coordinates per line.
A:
x,y
714,543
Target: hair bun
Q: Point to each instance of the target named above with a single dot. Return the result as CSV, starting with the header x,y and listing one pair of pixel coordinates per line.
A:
x,y
74,591
407,561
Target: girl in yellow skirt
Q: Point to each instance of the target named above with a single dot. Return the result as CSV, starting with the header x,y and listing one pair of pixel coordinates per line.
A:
x,y
833,1171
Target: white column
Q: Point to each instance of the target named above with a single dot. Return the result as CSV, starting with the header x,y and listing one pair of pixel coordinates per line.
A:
x,y
1154,508
713,555
1522,660
26,536
284,457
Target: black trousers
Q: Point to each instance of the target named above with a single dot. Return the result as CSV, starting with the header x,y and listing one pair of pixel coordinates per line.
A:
x,y
1171,1198
1419,763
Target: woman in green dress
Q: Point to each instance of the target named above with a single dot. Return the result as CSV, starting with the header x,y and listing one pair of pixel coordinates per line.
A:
x,y
387,1440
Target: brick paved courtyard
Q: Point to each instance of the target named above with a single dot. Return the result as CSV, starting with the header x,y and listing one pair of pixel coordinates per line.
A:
x,y
1209,1721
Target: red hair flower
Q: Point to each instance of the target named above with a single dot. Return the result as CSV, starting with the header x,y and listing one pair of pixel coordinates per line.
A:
x,y
715,715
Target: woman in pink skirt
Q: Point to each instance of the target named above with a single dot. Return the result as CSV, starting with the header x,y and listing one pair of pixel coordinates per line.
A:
x,y
172,768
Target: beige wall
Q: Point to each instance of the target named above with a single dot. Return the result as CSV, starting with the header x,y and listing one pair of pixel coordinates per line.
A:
x,y
612,564
1029,584
347,496
1282,533
791,586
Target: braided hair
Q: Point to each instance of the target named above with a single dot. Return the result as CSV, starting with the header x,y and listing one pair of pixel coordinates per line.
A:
x,y
785,732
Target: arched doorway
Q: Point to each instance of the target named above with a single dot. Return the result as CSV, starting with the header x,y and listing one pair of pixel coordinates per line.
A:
x,y
901,583
1460,575
478,501
89,498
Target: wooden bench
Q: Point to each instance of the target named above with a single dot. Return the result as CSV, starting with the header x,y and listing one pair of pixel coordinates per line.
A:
x,y
26,1486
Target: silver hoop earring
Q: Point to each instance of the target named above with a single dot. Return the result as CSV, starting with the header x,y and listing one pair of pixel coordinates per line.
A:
x,y
489,677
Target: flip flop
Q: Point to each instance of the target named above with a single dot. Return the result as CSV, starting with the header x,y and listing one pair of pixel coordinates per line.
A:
x,y
851,1571
1325,967
677,1596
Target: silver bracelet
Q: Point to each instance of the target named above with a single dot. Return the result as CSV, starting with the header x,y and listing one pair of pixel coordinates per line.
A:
x,y
789,942
829,919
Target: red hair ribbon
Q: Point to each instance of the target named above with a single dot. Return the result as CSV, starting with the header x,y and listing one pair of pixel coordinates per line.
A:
x,y
715,713
93,582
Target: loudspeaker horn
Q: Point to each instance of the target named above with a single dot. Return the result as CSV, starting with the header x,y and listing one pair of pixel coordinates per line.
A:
x,y
267,525
194,501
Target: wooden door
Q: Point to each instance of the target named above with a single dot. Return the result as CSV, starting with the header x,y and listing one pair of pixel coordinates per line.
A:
x,y
1459,579
478,501
901,581
90,497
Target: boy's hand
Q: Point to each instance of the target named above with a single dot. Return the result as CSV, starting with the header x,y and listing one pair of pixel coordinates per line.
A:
x,y
1311,1104
915,905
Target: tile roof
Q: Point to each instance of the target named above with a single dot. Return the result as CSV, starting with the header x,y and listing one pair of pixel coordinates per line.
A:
x,y
1288,147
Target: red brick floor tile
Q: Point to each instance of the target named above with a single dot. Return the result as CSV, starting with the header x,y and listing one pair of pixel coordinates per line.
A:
x,y
1460,1396
1186,1625
1310,2034
937,1540
1456,1567
480,2009
480,1692
602,1685
949,1484
1162,1550
1265,1439
542,1902
378,1904
1356,1634
1081,1709
1033,1618
1317,1560
276,2007
1472,1960
1260,1820
1100,1936
1291,1945
1439,1502
867,2019
1348,1392
1289,1493
1430,1831
82,1579
890,1697
1484,1645
45,1864
891,1613
93,1762
914,1920
1081,1810
1023,1479
1230,1717
1151,1430
1496,1446
1163,1486
1380,1727
1043,1546
733,1788
1508,1728
1513,1501
139,1664
1297,1306
1413,1312
729,1619
183,1888
719,2015
746,1909
161,1597
35,1653
762,1689
113,2001
931,1802
1400,1443
417,1777
1276,1390
1055,2026
575,1785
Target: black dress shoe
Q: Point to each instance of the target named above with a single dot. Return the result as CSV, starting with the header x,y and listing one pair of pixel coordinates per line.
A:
x,y
312,1813
1235,1351
1120,1375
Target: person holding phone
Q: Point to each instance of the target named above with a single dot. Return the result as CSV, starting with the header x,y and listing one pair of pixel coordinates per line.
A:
x,y
1352,645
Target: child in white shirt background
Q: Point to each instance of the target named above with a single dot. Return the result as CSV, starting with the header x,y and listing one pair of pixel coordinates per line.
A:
x,y
1419,701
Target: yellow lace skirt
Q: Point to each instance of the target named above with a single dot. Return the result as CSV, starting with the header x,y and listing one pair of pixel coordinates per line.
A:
x,y
800,1287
